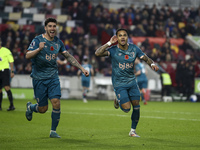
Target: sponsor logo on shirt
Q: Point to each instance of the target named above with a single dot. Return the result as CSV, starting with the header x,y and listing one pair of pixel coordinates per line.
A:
x,y
125,65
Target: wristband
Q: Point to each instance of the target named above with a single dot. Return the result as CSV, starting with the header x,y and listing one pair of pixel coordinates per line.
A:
x,y
152,64
12,71
109,43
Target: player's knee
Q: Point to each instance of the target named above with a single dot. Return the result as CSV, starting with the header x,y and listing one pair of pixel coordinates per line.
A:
x,y
126,109
43,109
56,103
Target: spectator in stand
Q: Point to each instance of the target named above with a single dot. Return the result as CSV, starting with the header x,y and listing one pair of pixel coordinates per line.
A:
x,y
150,31
137,19
186,47
190,28
197,29
64,34
139,31
160,32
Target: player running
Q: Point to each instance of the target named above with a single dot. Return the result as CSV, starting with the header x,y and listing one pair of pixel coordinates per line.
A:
x,y
43,52
123,56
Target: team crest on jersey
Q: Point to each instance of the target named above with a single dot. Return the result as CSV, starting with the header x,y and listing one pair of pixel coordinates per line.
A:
x,y
57,46
52,48
132,54
120,54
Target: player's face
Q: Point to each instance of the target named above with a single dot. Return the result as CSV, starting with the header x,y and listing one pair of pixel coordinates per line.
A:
x,y
122,37
51,29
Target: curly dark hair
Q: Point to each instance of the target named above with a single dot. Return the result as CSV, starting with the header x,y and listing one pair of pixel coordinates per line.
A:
x,y
50,20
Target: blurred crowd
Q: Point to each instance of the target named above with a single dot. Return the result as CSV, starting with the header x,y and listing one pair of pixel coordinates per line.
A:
x,y
94,23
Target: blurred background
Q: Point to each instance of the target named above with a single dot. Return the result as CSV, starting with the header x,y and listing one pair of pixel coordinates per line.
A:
x,y
168,31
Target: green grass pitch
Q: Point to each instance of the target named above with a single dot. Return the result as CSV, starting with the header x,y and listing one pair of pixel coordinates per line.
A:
x,y
98,125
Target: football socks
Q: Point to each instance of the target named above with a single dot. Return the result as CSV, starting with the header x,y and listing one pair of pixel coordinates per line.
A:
x,y
10,97
34,107
1,97
55,116
135,116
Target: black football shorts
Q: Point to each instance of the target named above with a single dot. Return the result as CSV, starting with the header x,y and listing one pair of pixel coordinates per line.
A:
x,y
4,78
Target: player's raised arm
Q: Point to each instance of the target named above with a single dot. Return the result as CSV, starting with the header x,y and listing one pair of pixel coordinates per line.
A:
x,y
31,54
150,62
101,51
74,62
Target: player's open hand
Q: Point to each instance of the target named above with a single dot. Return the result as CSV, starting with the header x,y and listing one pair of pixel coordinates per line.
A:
x,y
154,67
113,39
41,45
86,73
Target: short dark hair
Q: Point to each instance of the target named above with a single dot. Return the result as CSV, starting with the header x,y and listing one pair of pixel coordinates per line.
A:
x,y
50,20
121,29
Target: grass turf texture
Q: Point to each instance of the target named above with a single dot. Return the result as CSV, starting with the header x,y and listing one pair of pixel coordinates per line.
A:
x,y
97,125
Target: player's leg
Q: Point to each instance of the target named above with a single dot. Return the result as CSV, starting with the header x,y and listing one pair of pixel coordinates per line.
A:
x,y
1,97
54,92
1,94
85,85
40,92
6,84
10,97
135,99
142,85
55,116
123,99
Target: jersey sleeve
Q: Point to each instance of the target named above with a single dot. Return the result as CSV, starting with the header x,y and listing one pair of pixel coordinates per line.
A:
x,y
10,57
111,50
34,44
139,52
62,47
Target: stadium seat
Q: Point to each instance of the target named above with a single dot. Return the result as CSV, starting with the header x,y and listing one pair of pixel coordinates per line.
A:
x,y
31,10
15,16
56,11
42,1
29,27
71,23
38,4
4,15
38,17
27,16
13,3
26,4
61,18
8,9
22,21
52,16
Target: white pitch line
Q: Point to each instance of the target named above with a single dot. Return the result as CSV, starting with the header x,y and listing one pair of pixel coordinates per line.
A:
x,y
98,114
77,113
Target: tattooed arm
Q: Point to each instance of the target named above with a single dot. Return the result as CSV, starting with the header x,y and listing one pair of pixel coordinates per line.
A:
x,y
150,62
101,51
74,62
